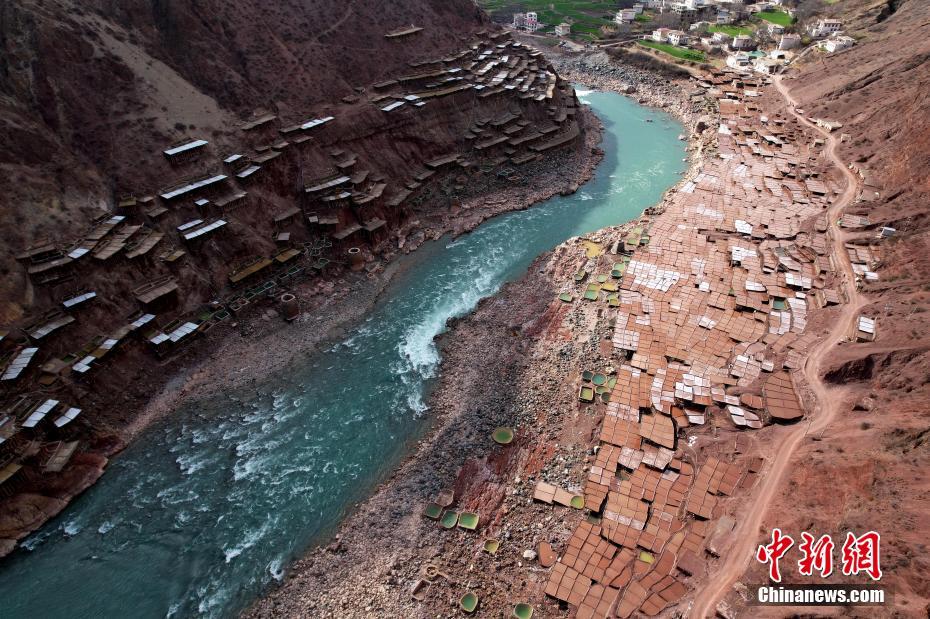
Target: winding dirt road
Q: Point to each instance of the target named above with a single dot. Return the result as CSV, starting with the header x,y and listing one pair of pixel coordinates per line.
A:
x,y
829,400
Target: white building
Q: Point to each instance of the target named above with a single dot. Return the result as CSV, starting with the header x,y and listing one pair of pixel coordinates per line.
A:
x,y
789,41
532,21
563,29
768,66
836,44
699,26
625,16
826,27
721,38
724,16
742,41
660,35
677,37
739,61
526,21
776,29
638,8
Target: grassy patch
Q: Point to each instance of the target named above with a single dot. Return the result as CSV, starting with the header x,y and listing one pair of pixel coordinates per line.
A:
x,y
733,31
776,17
643,17
677,52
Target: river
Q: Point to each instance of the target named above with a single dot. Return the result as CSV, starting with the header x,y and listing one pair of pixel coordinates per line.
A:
x,y
208,507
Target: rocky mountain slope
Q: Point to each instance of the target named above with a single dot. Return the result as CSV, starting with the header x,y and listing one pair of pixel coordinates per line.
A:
x,y
874,459
91,92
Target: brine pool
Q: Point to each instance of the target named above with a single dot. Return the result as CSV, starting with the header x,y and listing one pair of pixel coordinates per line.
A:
x,y
209,506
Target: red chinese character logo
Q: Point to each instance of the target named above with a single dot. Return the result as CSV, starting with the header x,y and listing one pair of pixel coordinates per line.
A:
x,y
773,552
817,555
861,554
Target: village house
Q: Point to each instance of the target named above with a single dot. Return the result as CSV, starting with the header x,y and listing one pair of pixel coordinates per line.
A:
x,y
767,66
758,7
724,16
625,16
563,29
685,13
661,35
677,38
526,21
739,61
637,8
829,125
742,41
836,44
789,41
776,29
721,38
699,27
825,27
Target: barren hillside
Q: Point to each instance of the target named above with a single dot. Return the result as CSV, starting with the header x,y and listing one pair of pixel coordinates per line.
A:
x,y
91,92
869,469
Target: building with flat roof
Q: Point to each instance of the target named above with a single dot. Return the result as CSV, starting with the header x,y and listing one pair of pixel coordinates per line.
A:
x,y
836,44
625,16
742,41
678,38
789,41
826,27
526,21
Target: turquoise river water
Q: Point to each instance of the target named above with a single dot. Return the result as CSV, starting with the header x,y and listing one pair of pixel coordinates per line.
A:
x,y
208,507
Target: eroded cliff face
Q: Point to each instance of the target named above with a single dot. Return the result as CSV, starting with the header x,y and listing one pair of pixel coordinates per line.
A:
x,y
182,160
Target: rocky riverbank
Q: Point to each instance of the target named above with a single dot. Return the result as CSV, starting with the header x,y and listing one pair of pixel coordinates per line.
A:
x,y
503,365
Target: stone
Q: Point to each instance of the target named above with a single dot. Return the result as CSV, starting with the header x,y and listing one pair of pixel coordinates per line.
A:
x,y
547,556
529,555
